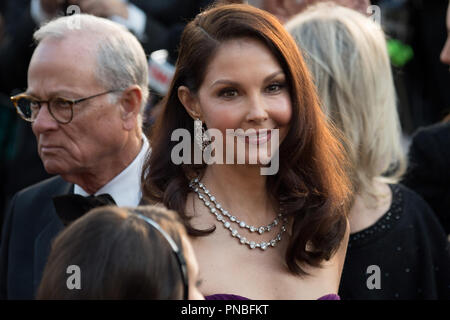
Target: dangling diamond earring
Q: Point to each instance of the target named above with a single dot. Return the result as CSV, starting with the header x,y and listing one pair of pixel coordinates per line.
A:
x,y
201,138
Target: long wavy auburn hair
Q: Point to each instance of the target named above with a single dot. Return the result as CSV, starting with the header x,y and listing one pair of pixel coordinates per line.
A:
x,y
311,185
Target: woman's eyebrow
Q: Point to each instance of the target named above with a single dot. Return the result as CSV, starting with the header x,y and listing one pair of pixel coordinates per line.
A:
x,y
234,83
273,75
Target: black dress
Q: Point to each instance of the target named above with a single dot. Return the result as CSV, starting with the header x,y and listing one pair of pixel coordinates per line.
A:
x,y
409,247
429,169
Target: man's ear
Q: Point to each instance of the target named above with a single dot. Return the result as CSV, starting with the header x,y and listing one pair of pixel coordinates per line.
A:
x,y
190,102
130,101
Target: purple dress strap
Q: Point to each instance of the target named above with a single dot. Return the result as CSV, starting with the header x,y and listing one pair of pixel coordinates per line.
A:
x,y
224,296
331,296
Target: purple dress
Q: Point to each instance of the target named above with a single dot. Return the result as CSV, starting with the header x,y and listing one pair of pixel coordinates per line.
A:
x,y
331,296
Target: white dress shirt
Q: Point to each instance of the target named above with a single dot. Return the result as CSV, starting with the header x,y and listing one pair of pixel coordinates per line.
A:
x,y
125,188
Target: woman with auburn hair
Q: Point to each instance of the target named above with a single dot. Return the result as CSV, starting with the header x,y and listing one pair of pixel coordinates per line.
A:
x,y
122,254
397,249
277,236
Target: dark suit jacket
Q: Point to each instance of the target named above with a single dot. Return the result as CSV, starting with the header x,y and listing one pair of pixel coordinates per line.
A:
x,y
428,173
31,224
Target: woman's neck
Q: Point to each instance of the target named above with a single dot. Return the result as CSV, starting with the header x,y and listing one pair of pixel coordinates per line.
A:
x,y
242,191
364,214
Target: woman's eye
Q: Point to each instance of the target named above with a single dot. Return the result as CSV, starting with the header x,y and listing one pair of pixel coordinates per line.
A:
x,y
275,87
228,93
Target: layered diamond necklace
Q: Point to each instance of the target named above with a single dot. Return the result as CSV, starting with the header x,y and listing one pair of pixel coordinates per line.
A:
x,y
227,219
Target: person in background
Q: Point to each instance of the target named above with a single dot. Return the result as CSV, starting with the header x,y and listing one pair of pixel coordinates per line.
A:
x,y
392,228
122,254
426,80
86,90
428,173
282,235
286,9
429,158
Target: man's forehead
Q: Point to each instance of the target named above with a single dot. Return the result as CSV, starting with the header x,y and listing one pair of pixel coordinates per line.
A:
x,y
67,53
71,44
62,62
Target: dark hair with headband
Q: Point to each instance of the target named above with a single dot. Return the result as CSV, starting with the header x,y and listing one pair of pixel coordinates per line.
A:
x,y
121,254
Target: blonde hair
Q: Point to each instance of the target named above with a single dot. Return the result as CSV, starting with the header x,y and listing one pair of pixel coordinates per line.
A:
x,y
347,56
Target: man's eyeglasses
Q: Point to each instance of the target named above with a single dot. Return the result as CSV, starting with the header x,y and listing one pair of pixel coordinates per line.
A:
x,y
60,108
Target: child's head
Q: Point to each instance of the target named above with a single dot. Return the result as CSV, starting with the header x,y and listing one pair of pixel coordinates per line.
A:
x,y
122,253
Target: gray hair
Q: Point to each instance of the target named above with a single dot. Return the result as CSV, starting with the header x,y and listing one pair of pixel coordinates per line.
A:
x,y
121,60
347,56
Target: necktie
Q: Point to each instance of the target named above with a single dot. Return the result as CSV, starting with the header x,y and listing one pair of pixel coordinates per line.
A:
x,y
72,206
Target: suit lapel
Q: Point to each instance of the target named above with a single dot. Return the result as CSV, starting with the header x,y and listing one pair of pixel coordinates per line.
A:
x,y
53,226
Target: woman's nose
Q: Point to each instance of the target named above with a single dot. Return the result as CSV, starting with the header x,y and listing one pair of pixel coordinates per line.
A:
x,y
256,110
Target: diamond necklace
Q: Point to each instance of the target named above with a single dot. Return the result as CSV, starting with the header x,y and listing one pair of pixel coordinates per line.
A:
x,y
222,215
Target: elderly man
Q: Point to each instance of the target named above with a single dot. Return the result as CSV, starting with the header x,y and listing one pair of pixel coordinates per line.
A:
x,y
87,85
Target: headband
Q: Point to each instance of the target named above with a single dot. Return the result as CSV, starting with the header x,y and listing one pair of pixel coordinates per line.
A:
x,y
178,254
